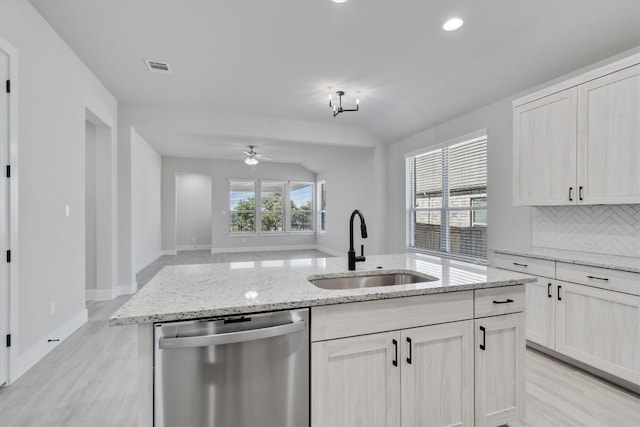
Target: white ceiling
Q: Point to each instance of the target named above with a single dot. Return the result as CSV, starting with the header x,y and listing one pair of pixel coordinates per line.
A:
x,y
280,59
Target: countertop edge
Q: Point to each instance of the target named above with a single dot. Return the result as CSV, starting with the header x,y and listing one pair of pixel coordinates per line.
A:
x,y
235,310
567,260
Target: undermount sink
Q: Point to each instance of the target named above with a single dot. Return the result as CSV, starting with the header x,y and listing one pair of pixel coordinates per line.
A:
x,y
354,282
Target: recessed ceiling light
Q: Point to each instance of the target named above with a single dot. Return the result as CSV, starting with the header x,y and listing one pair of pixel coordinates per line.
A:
x,y
338,1
452,24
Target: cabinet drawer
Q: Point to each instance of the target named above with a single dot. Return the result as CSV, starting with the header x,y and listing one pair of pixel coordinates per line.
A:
x,y
497,301
359,318
537,267
615,280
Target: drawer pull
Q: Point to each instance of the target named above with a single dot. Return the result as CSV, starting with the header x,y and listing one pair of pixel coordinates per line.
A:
x,y
520,265
507,301
598,278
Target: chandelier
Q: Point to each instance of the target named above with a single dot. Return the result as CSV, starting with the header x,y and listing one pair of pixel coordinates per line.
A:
x,y
337,109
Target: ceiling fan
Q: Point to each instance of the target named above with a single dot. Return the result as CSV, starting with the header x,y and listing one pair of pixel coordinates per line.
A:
x,y
253,158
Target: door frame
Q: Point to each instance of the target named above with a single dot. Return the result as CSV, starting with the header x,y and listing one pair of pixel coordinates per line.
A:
x,y
12,214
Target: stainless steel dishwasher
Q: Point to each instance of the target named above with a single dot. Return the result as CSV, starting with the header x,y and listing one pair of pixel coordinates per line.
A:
x,y
240,371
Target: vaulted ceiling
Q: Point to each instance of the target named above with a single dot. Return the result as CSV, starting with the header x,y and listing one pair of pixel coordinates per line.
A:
x,y
279,60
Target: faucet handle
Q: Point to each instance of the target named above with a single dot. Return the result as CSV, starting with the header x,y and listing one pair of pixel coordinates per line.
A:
x,y
362,251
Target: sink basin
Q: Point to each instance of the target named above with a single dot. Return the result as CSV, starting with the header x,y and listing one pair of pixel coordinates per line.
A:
x,y
354,282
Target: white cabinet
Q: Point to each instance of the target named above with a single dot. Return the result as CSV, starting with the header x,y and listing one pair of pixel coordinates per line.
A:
x,y
579,142
499,369
600,328
541,312
437,375
595,320
545,134
356,381
609,138
419,374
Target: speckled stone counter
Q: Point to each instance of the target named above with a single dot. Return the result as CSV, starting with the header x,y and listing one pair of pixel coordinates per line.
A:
x,y
208,290
612,262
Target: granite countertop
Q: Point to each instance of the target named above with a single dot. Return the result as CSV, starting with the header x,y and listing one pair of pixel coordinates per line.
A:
x,y
612,262
207,290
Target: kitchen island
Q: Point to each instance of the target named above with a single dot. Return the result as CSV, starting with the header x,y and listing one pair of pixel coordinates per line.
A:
x,y
474,307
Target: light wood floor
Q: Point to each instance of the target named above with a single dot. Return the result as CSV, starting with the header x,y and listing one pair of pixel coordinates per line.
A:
x,y
89,380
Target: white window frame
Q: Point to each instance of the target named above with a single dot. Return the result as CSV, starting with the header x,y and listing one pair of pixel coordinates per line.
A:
x,y
445,208
319,186
257,219
313,207
285,201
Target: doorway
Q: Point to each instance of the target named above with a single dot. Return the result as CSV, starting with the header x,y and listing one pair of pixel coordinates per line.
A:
x,y
100,240
193,211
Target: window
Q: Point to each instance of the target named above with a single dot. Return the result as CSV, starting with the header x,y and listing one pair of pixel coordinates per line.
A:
x,y
447,200
301,200
272,206
322,205
242,198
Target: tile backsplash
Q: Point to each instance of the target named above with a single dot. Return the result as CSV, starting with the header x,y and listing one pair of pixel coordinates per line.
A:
x,y
612,229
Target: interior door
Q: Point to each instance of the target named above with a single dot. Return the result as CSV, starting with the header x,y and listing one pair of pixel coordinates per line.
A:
x,y
4,210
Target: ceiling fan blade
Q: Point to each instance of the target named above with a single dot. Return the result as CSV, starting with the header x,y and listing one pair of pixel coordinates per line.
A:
x,y
248,154
261,157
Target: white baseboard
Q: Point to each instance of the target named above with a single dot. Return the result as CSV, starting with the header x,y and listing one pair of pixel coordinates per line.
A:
x,y
193,247
331,251
128,289
262,249
101,294
170,252
24,361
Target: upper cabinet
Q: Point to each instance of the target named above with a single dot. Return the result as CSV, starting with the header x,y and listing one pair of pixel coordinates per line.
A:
x,y
578,142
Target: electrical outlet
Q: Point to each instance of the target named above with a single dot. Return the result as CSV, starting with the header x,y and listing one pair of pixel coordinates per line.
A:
x,y
589,244
193,239
52,308
67,210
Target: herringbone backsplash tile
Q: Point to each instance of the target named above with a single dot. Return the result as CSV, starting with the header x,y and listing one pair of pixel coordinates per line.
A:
x,y
612,230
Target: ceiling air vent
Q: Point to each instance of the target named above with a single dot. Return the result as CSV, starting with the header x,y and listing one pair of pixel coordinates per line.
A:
x,y
158,66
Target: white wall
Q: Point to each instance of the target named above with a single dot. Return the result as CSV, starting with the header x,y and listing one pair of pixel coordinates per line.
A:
x,y
221,171
52,103
193,217
146,170
355,183
508,226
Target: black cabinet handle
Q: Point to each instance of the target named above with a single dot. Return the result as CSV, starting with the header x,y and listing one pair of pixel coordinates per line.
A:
x,y
598,278
520,265
580,193
549,290
410,351
503,302
395,360
571,194
559,297
484,338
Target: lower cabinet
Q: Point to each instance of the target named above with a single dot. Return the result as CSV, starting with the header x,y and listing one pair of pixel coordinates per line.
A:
x,y
422,376
356,381
499,369
541,312
600,328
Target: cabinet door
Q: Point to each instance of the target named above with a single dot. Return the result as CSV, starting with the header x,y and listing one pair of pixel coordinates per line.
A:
x,y
437,375
354,381
609,138
600,328
499,350
544,150
541,312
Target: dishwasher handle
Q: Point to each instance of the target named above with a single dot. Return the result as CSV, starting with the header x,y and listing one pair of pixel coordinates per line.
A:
x,y
232,337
